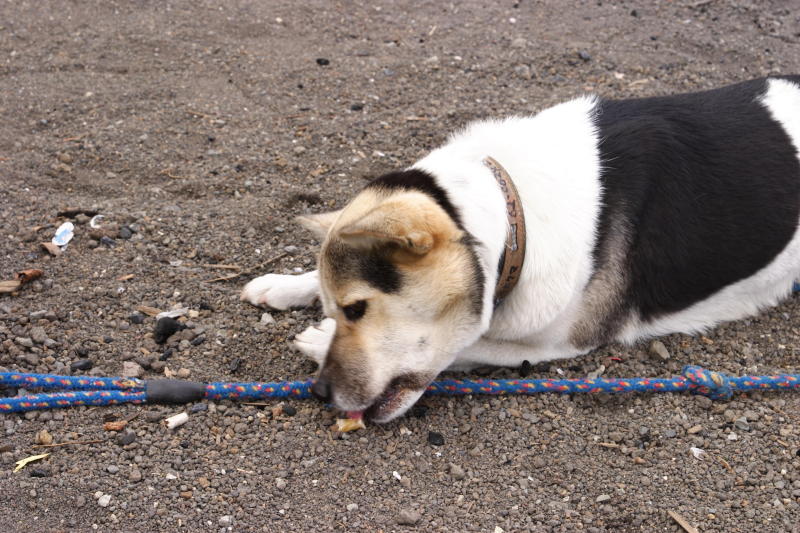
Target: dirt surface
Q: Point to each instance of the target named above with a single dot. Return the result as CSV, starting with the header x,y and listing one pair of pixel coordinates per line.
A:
x,y
200,130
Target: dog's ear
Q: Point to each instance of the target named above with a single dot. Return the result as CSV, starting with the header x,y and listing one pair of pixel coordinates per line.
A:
x,y
318,224
410,225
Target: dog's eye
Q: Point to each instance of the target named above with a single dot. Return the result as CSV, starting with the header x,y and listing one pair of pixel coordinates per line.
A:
x,y
355,311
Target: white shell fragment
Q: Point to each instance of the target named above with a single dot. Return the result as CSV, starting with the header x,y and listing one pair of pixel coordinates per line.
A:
x,y
176,420
64,234
698,453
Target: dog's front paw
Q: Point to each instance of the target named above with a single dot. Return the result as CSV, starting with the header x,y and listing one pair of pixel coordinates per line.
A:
x,y
315,340
282,292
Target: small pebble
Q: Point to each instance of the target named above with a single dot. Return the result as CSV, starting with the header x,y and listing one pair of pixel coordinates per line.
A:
x,y
126,438
457,472
131,369
356,107
199,408
165,327
659,351
43,437
104,500
419,411
166,355
321,61
136,318
81,364
39,472
197,341
280,483
603,498
352,507
135,475
741,424
584,55
234,365
125,233
108,241
225,521
183,373
112,469
407,517
437,439
288,410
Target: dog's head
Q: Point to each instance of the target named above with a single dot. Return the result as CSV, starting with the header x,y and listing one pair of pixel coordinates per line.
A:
x,y
405,286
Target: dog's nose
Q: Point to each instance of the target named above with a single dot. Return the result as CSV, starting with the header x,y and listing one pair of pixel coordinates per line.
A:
x,y
321,389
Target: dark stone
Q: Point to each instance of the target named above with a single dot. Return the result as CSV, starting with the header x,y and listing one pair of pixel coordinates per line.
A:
x,y
584,55
321,61
165,327
419,411
356,107
125,233
185,444
525,369
126,438
108,241
82,351
288,410
205,306
108,340
197,341
234,365
81,364
39,472
199,408
437,439
166,355
136,318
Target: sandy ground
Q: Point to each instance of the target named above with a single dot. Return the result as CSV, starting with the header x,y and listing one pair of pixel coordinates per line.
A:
x,y
200,130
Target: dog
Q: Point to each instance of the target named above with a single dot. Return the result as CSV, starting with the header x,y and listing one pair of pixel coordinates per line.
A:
x,y
543,237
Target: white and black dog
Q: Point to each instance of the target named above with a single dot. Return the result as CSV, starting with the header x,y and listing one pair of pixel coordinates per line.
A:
x,y
642,217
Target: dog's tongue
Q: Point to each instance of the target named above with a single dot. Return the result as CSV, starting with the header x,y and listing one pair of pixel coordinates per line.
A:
x,y
355,415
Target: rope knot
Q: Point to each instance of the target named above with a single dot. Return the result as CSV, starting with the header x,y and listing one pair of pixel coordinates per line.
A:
x,y
715,385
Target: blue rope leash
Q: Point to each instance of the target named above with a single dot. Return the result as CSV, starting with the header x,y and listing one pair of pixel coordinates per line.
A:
x,y
81,390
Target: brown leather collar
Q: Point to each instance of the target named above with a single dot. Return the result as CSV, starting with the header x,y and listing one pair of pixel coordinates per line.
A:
x,y
513,257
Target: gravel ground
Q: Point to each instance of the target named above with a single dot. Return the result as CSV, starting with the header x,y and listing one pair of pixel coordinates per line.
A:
x,y
199,130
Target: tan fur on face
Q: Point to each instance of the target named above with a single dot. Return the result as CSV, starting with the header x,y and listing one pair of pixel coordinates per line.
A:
x,y
406,234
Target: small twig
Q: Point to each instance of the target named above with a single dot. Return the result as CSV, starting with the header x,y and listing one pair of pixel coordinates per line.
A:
x,y
683,522
199,114
725,464
224,267
249,270
259,404
4,159
68,443
417,119
168,172
76,138
608,444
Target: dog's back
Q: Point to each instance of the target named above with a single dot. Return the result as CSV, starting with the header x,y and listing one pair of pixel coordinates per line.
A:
x,y
706,189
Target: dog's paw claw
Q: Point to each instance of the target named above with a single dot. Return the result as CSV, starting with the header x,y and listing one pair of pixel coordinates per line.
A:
x,y
281,292
315,341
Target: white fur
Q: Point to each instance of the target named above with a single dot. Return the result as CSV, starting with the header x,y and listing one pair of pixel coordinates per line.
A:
x,y
282,292
315,341
554,161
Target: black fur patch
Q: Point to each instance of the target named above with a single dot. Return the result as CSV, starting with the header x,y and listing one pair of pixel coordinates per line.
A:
x,y
418,180
372,266
478,277
708,183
